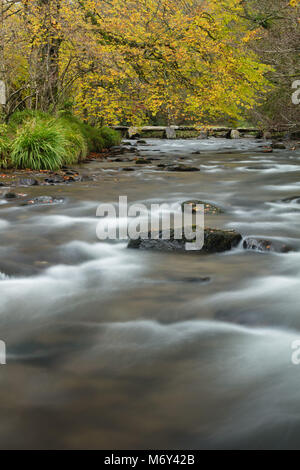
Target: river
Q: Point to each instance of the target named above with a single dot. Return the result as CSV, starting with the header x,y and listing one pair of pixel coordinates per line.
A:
x,y
111,348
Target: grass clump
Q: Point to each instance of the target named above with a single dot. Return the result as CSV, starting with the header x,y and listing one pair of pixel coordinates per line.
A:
x,y
39,145
43,142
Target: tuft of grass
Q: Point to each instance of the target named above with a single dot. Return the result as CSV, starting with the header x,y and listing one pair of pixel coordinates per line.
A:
x,y
39,145
4,146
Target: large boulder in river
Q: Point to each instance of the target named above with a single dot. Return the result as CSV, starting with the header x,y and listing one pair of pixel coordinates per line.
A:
x,y
215,241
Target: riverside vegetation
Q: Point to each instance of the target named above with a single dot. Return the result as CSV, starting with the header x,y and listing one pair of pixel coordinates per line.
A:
x,y
40,141
131,63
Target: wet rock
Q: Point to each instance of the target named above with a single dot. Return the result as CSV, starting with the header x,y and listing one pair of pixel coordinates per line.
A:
x,y
43,200
85,178
142,142
248,318
258,167
120,160
161,165
182,168
263,245
267,150
28,182
56,179
196,280
209,209
215,241
289,199
143,161
10,196
197,152
128,169
278,146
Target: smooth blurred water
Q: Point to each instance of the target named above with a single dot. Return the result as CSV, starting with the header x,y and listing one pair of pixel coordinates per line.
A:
x,y
112,348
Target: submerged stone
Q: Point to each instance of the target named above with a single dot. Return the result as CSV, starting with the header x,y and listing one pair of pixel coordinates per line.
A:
x,y
262,245
43,200
143,161
28,182
295,199
182,168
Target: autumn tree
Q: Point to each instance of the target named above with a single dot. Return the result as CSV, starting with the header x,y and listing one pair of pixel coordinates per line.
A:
x,y
123,60
277,43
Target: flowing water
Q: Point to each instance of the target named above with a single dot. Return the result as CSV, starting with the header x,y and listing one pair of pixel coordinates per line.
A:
x,y
112,348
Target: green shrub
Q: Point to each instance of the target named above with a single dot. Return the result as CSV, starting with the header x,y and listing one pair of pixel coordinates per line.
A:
x,y
77,146
92,136
20,117
39,145
97,138
43,142
110,137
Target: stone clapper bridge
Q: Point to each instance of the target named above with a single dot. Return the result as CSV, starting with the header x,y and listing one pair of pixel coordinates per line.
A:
x,y
173,132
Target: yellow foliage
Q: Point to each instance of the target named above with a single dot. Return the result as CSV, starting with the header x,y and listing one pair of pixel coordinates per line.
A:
x,y
121,60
